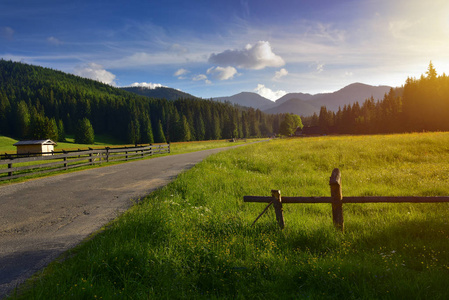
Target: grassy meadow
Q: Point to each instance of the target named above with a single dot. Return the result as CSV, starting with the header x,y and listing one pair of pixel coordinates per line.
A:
x,y
194,239
6,146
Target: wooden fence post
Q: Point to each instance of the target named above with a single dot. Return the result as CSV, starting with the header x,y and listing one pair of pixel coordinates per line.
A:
x,y
337,196
91,160
276,194
107,154
9,167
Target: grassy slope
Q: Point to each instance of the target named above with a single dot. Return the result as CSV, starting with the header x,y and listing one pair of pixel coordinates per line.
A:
x,y
193,239
6,144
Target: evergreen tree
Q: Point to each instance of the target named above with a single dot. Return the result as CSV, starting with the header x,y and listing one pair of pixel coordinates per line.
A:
x,y
133,132
200,128
185,134
159,136
5,109
22,120
51,129
147,131
37,126
61,131
84,133
216,129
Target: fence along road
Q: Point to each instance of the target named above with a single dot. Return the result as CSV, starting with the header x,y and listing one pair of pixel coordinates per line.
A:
x,y
42,218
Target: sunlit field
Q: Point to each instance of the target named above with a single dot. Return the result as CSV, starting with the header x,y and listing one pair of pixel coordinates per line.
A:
x,y
194,239
6,146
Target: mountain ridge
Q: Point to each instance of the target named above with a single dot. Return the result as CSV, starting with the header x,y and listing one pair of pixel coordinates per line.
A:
x,y
306,104
160,93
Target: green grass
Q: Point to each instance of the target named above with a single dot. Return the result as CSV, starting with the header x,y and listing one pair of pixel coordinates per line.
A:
x,y
101,141
194,239
6,144
184,147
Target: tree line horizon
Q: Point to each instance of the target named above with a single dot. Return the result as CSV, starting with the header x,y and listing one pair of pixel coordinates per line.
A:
x,y
40,103
419,105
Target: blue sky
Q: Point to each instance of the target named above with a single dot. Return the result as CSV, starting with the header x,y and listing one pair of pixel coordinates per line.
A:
x,y
220,48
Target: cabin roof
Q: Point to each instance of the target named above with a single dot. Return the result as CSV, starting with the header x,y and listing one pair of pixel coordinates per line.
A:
x,y
35,142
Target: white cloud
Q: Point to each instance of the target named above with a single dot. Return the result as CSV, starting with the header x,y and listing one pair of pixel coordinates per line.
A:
x,y
7,32
221,73
255,57
279,74
146,85
96,72
181,72
54,41
201,77
268,93
319,67
178,49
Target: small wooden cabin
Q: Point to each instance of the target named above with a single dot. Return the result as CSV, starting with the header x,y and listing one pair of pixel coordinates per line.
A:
x,y
35,147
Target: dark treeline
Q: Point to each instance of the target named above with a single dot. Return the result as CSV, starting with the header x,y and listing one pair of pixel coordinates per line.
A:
x,y
39,103
420,105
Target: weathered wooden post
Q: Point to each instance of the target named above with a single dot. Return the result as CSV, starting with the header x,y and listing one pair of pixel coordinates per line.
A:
x,y
337,196
10,167
91,160
107,154
277,202
168,147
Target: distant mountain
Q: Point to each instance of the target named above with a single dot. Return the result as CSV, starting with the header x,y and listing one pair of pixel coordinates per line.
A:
x,y
249,100
306,104
289,96
295,106
160,93
349,95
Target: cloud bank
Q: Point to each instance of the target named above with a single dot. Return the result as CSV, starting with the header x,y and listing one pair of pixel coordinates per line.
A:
x,y
221,73
279,74
181,72
146,85
201,77
96,72
268,93
255,57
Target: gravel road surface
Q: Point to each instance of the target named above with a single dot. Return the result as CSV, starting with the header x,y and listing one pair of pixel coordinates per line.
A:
x,y
42,218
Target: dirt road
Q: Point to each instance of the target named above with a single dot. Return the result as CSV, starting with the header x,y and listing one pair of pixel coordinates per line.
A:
x,y
42,218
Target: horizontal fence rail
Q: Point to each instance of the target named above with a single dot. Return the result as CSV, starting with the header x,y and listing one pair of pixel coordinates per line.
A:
x,y
337,200
369,199
11,168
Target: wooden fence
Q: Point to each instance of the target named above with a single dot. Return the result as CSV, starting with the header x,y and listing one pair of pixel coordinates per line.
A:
x,y
12,168
337,200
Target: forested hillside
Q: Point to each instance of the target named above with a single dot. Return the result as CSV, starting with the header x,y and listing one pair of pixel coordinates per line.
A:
x,y
37,102
159,93
420,105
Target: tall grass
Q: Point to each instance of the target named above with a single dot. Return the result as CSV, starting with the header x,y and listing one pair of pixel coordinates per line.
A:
x,y
6,144
194,239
